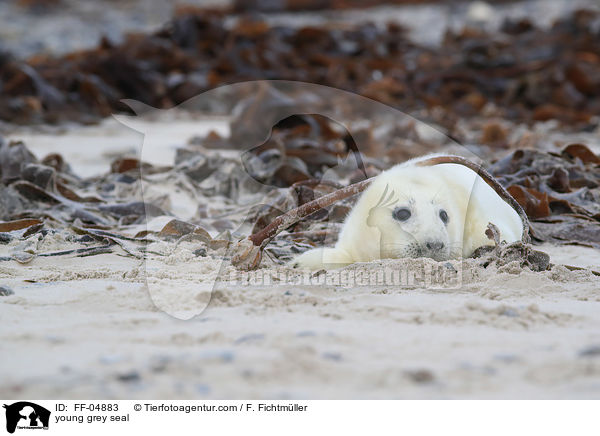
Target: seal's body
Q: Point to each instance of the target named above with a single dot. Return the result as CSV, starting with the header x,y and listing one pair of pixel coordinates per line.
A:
x,y
439,211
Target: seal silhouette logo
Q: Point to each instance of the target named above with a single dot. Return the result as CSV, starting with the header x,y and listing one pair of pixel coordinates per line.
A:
x,y
26,415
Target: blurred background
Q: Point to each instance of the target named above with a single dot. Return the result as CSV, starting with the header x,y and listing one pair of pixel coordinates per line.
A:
x,y
68,60
60,26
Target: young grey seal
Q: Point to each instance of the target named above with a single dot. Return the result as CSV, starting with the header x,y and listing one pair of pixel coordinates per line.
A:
x,y
440,211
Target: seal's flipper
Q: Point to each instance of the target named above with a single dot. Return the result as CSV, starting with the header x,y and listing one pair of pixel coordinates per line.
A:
x,y
322,258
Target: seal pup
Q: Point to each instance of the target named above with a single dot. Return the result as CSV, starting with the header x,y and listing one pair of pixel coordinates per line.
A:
x,y
440,211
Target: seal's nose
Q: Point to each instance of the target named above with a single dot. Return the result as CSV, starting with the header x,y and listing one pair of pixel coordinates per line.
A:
x,y
434,245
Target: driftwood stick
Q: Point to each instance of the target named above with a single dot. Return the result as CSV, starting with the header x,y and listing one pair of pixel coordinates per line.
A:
x,y
248,251
290,218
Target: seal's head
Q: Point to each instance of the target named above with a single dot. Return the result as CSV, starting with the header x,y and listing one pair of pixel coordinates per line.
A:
x,y
414,217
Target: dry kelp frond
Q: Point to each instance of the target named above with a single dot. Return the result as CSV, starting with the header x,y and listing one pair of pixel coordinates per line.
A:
x,y
559,191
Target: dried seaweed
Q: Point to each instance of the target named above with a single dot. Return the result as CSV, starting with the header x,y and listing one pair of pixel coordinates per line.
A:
x,y
502,254
528,73
559,191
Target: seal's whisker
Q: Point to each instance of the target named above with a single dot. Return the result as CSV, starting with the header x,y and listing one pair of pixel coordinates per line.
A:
x,y
390,197
382,197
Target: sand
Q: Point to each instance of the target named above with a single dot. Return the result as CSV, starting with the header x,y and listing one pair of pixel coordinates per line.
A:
x,y
98,327
88,328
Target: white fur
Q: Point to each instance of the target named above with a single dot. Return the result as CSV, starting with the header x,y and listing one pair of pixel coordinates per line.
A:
x,y
370,231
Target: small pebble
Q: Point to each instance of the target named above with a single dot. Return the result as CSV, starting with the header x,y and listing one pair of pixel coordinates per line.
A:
x,y
420,375
592,351
5,291
129,377
200,252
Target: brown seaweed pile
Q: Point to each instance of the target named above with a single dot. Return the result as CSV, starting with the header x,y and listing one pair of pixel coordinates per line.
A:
x,y
527,72
560,193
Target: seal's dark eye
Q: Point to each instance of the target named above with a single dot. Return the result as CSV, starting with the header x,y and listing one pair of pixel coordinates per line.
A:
x,y
444,216
401,213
